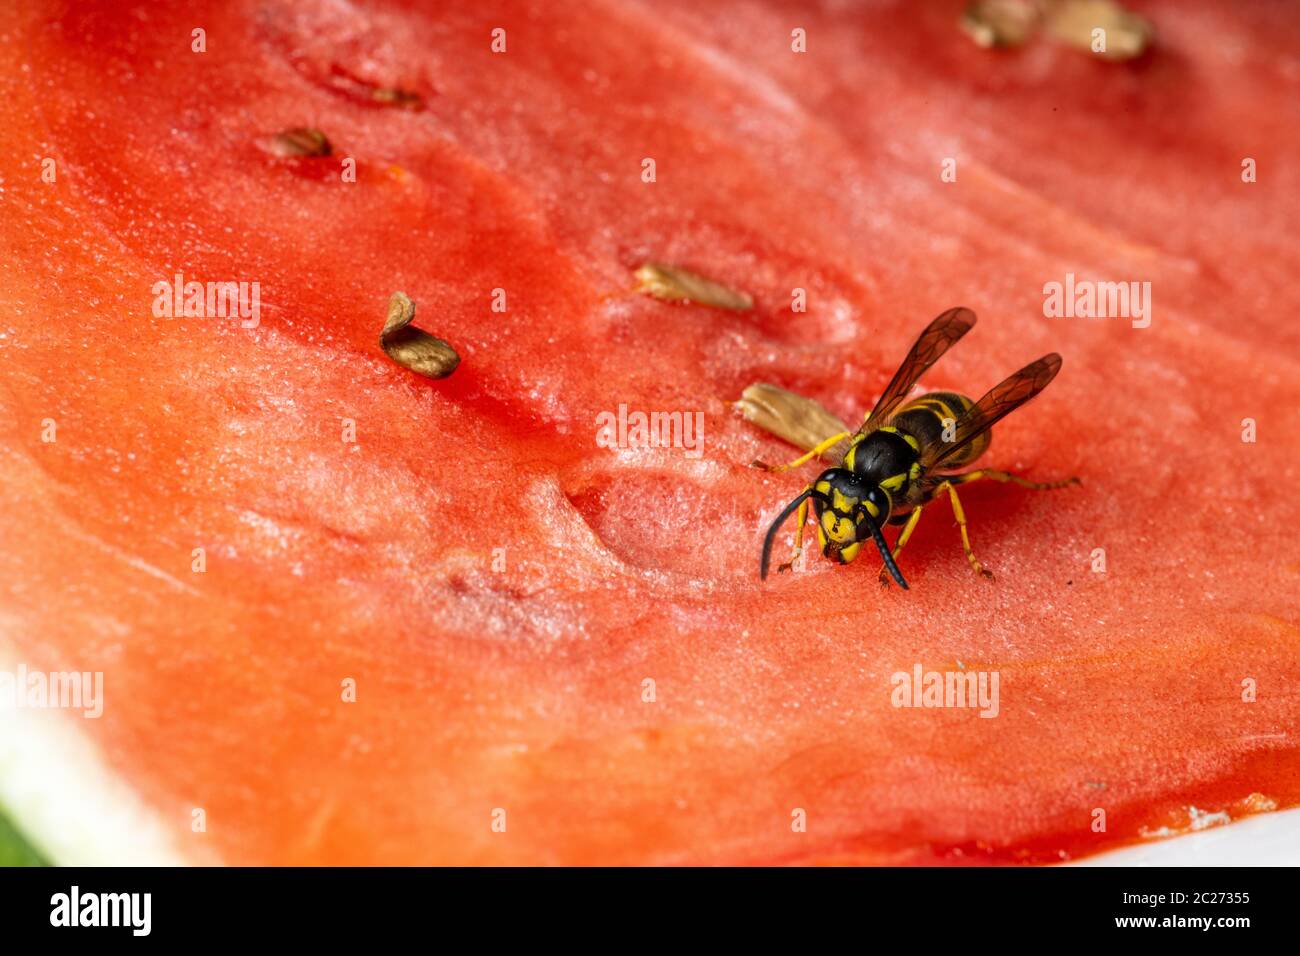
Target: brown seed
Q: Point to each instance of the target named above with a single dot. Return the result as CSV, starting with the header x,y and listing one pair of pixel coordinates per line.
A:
x,y
413,348
301,141
673,284
363,91
1001,23
803,422
1127,34
402,99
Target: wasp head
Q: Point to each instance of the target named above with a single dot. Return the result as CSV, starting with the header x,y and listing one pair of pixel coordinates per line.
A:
x,y
850,510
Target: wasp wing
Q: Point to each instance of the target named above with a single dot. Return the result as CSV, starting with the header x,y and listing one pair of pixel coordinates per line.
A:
x,y
997,404
937,338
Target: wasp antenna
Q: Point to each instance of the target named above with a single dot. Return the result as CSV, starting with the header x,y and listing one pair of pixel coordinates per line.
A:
x,y
776,526
883,547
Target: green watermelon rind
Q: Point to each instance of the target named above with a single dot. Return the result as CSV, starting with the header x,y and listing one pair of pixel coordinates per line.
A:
x,y
14,848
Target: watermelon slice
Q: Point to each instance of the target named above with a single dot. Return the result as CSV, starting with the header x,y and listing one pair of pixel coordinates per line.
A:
x,y
344,614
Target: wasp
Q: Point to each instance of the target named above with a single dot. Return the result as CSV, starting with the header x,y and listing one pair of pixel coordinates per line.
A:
x,y
904,455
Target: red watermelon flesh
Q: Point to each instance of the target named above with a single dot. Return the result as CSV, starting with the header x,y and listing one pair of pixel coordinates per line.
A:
x,y
498,586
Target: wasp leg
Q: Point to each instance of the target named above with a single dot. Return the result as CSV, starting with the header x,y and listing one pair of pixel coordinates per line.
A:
x,y
903,535
959,513
1007,476
828,443
799,520
950,482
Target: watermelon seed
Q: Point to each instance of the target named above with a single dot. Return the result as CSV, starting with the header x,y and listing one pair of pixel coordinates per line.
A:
x,y
1082,23
1001,23
341,81
413,348
301,141
674,284
399,98
801,421
1103,27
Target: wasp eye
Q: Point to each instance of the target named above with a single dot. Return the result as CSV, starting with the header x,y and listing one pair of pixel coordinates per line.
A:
x,y
879,499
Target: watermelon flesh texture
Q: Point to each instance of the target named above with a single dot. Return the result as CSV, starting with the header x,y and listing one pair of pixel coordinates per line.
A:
x,y
498,587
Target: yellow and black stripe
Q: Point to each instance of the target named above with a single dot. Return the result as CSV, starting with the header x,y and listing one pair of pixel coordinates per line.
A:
x,y
932,421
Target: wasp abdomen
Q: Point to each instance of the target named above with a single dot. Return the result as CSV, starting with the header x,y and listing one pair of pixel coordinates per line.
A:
x,y
932,419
